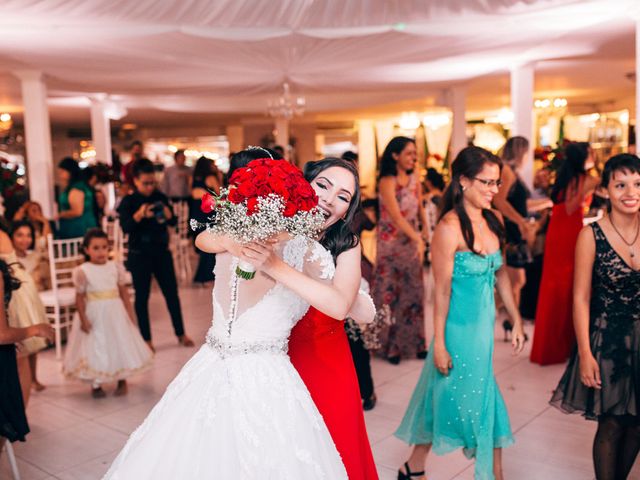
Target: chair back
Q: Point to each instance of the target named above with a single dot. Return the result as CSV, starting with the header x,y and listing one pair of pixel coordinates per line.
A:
x,y
64,256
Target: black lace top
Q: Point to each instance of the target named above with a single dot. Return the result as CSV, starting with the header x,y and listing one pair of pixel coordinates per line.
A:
x,y
615,340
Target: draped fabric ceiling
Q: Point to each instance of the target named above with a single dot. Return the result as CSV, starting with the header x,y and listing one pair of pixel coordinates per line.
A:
x,y
232,55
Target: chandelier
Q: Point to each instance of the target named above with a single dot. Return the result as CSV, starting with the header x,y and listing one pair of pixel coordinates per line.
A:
x,y
286,105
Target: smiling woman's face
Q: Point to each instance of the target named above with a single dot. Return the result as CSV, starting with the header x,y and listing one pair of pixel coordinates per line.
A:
x,y
335,188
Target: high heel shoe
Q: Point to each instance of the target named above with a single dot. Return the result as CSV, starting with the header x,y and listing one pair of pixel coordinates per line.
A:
x,y
508,329
409,474
394,360
369,403
422,355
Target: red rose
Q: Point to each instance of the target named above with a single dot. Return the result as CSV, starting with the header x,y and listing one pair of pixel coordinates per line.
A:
x,y
234,196
247,189
252,205
290,210
208,203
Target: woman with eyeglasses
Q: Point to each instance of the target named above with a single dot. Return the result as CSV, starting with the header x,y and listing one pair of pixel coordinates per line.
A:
x,y
400,250
554,338
457,403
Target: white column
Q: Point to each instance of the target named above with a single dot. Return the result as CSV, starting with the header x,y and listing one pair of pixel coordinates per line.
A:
x,y
37,131
235,137
522,88
100,129
282,133
455,99
367,160
101,139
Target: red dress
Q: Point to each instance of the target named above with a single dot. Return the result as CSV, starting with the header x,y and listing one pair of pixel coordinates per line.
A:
x,y
319,351
554,337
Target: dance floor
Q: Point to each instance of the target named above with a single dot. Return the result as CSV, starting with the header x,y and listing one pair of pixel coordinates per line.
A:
x,y
76,437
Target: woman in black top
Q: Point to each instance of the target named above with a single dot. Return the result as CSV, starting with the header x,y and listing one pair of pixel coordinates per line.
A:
x,y
511,201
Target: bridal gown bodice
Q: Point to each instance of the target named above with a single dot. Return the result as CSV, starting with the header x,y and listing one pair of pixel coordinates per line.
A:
x,y
238,408
266,311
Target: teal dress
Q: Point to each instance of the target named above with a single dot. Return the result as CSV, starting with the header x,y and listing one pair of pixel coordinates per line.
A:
x,y
464,409
76,227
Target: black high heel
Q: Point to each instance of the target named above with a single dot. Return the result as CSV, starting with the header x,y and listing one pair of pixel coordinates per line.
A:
x,y
422,354
508,329
369,403
394,360
409,475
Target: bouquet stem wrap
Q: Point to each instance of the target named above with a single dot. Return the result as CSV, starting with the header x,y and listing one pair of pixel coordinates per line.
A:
x,y
245,270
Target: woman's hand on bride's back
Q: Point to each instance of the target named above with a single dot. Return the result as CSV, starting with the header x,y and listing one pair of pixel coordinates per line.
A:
x,y
259,254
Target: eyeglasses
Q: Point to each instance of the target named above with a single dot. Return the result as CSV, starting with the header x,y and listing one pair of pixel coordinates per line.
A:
x,y
150,183
489,183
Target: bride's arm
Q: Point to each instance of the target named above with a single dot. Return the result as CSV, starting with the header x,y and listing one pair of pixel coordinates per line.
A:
x,y
334,299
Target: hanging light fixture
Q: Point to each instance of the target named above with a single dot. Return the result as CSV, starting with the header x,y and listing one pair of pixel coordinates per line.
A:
x,y
286,105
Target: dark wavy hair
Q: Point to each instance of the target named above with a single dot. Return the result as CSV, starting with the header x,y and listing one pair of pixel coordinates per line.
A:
x,y
624,162
572,167
15,226
11,283
388,164
204,168
70,165
469,163
338,237
90,235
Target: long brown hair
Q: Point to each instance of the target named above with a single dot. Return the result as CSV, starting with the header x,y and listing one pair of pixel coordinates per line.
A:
x,y
468,163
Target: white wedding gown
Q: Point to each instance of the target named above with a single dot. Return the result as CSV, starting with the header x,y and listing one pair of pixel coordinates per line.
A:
x,y
238,409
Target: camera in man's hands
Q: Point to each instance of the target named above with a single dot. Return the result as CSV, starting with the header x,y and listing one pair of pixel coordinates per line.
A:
x,y
158,212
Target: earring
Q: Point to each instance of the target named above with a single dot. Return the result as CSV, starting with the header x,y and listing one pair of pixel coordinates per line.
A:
x,y
464,188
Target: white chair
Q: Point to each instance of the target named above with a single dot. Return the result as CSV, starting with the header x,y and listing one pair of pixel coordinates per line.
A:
x,y
12,460
60,300
180,242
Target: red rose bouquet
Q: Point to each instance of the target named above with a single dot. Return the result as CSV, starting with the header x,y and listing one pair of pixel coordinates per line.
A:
x,y
265,198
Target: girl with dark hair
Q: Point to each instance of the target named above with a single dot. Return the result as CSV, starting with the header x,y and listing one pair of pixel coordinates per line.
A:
x,y
457,403
13,422
397,279
25,307
318,345
511,202
104,344
553,337
75,201
602,379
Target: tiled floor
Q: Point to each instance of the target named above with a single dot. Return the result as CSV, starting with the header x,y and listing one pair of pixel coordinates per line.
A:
x,y
75,437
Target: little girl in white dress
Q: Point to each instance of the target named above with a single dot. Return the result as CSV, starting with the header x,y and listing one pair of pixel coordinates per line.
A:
x,y
104,345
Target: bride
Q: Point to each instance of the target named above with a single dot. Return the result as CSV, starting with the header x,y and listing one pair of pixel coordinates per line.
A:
x,y
238,407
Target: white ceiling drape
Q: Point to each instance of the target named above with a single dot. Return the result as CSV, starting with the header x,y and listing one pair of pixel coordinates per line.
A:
x,y
230,55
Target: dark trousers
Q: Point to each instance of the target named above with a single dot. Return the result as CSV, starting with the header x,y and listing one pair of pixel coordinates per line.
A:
x,y
159,263
362,362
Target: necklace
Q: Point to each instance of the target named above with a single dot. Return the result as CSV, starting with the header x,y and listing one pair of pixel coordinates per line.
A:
x,y
628,244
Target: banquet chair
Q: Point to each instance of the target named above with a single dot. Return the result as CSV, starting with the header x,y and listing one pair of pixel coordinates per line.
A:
x,y
60,301
13,464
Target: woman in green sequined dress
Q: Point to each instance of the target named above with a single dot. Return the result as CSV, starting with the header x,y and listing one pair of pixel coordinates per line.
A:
x,y
456,403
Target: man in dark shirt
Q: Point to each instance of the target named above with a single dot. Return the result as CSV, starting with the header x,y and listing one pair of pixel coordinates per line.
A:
x,y
145,215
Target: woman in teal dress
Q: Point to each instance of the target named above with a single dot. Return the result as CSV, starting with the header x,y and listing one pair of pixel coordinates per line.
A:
x,y
456,403
75,201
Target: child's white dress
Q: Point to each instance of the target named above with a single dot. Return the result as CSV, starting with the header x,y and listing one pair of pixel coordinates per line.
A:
x,y
113,349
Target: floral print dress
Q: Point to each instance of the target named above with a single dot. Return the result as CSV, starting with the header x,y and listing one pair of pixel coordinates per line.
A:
x,y
398,279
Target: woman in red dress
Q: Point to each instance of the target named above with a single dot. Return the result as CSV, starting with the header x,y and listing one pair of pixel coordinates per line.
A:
x,y
318,344
554,337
